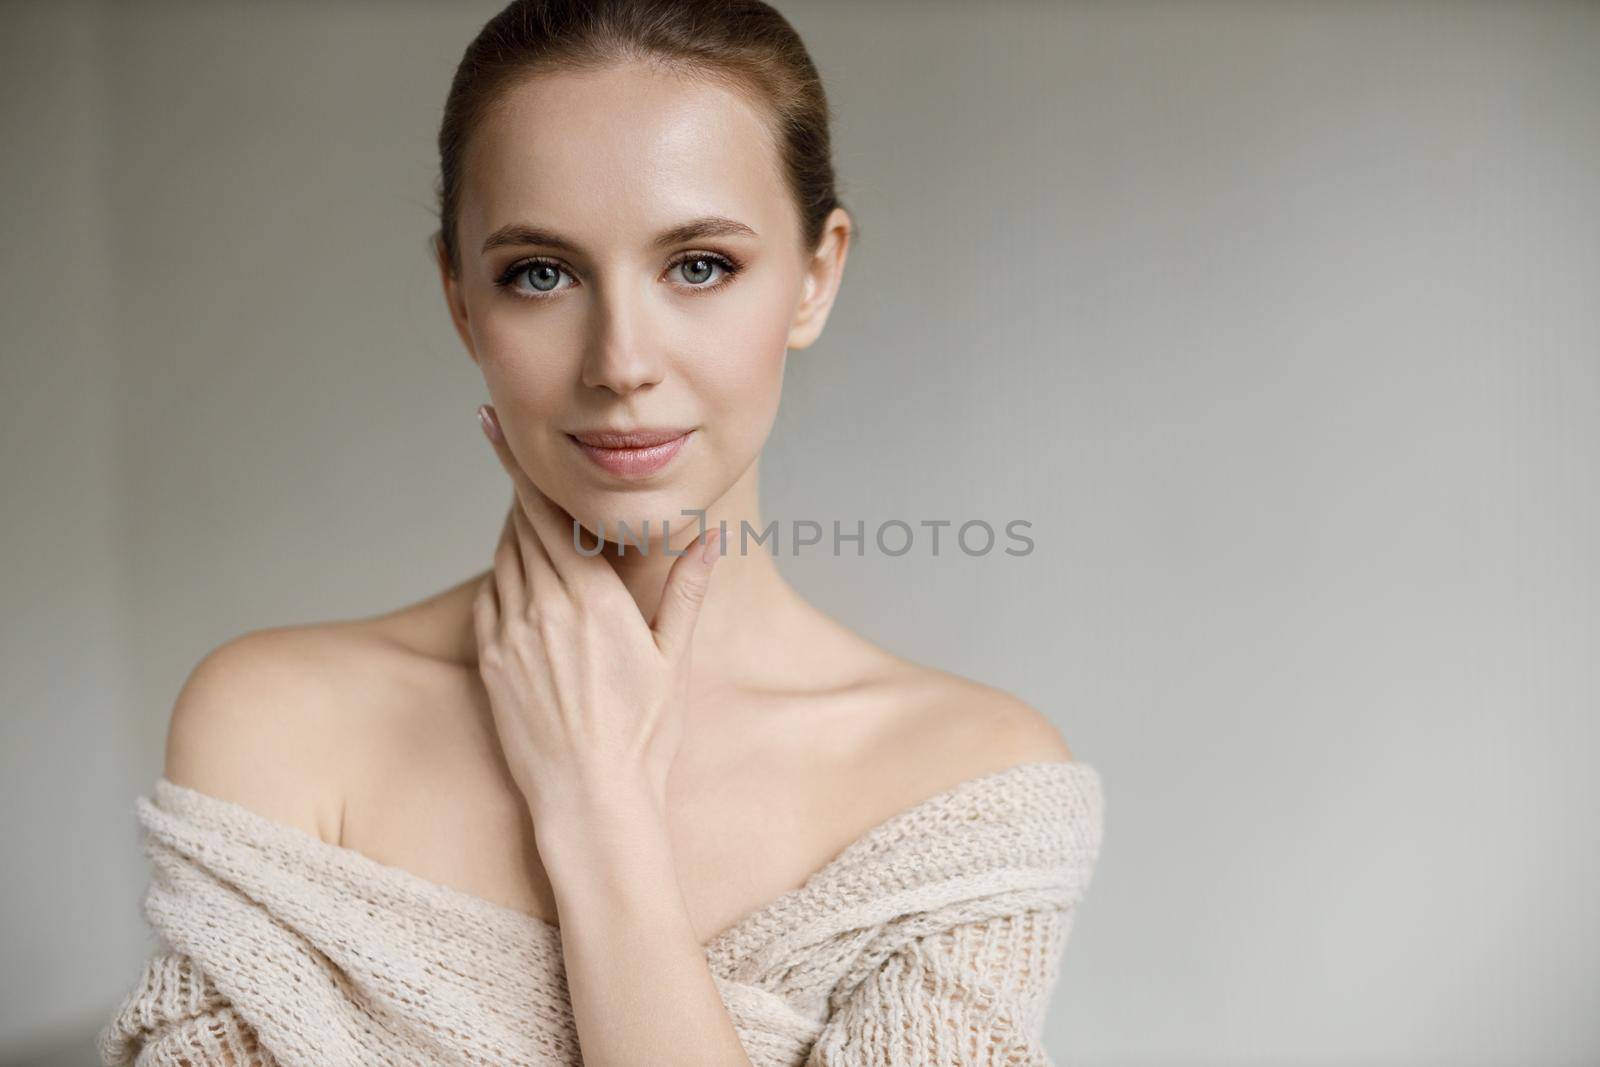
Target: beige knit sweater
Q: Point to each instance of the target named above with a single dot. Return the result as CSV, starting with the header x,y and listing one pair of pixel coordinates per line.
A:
x,y
933,939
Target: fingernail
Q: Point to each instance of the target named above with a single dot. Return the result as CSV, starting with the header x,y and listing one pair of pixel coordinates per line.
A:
x,y
491,425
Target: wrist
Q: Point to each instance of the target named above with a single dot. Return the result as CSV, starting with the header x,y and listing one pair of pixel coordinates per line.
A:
x,y
613,852
598,817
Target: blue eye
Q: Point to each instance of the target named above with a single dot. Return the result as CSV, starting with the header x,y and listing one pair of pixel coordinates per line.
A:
x,y
699,265
544,275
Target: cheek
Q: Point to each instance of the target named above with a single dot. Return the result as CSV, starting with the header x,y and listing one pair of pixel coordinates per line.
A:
x,y
742,377
743,365
521,376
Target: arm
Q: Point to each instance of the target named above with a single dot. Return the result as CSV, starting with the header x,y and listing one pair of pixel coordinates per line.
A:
x,y
243,728
972,995
640,986
589,702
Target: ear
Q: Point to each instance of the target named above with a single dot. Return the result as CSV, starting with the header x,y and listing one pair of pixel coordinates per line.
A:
x,y
453,297
823,274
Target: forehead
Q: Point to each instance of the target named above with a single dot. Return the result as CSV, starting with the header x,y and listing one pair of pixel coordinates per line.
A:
x,y
619,154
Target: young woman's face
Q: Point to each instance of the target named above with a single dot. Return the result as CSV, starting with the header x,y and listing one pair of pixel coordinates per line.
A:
x,y
605,319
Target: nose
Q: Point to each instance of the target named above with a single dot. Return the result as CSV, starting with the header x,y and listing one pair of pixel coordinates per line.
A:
x,y
619,356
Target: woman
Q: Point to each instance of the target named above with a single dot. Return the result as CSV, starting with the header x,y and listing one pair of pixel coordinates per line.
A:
x,y
518,823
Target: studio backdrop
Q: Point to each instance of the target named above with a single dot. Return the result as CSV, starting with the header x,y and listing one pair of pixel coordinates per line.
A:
x,y
1274,325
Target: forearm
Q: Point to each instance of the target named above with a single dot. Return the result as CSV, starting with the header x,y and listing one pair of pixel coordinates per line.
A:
x,y
637,976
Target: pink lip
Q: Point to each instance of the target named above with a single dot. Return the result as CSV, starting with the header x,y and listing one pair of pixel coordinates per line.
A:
x,y
637,455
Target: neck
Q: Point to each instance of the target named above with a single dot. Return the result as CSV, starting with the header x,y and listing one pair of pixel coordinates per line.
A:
x,y
738,619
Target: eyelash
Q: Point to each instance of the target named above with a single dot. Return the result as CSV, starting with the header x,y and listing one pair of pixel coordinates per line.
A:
x,y
509,276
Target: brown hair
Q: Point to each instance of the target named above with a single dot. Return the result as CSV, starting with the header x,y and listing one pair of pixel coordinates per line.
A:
x,y
744,44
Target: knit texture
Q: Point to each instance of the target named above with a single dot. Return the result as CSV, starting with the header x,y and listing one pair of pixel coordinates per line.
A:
x,y
932,940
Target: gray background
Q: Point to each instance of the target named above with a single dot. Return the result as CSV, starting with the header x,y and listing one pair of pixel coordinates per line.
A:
x,y
1278,321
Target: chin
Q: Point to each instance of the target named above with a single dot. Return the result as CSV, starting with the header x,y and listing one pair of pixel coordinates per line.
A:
x,y
604,514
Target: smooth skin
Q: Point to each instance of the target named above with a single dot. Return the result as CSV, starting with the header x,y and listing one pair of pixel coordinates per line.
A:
x,y
641,748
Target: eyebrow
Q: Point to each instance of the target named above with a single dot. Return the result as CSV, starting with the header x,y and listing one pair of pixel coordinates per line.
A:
x,y
520,233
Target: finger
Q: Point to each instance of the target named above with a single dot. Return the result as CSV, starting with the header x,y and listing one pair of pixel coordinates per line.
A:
x,y
554,526
509,580
543,581
683,594
485,614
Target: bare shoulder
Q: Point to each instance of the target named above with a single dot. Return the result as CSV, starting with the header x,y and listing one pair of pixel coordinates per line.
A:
x,y
261,722
1002,728
958,728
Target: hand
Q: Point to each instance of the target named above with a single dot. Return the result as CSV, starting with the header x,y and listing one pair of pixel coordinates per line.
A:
x,y
587,698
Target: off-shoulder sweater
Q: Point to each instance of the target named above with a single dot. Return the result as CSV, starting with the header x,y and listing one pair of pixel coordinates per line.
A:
x,y
935,938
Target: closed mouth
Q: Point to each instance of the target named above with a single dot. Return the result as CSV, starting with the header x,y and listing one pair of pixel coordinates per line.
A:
x,y
627,438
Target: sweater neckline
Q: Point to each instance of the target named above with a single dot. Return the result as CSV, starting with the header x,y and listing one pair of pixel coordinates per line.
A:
x,y
515,922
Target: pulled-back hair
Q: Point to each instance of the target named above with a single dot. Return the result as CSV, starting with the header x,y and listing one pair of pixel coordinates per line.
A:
x,y
745,45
